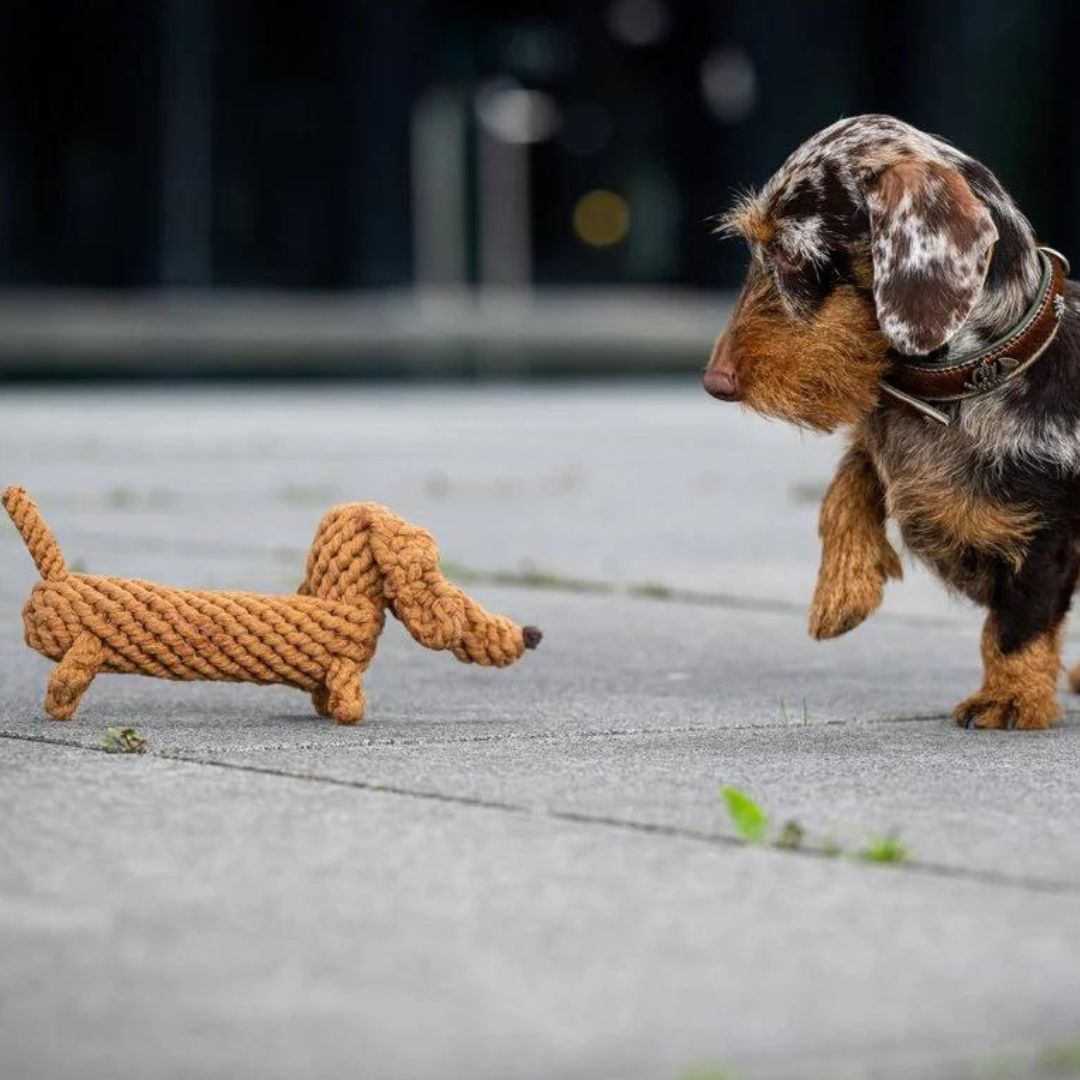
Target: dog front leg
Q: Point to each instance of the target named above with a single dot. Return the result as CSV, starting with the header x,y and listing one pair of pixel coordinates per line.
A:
x,y
1021,640
73,675
856,556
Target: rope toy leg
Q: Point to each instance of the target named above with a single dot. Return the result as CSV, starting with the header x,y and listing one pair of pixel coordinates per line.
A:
x,y
320,698
72,676
345,696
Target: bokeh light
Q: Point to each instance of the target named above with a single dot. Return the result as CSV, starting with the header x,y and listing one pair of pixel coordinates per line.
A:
x,y
638,22
729,83
601,218
516,115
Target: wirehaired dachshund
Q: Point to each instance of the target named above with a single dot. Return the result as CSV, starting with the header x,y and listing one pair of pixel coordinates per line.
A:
x,y
895,290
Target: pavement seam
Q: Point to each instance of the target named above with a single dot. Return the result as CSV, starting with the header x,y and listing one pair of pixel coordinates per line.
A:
x,y
361,740
913,867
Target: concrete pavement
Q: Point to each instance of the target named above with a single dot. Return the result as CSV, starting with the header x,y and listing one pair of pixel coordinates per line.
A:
x,y
524,873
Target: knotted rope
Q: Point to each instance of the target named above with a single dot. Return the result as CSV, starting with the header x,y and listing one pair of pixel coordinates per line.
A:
x,y
363,559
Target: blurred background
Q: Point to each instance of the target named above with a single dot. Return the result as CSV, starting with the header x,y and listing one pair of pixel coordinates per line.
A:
x,y
418,187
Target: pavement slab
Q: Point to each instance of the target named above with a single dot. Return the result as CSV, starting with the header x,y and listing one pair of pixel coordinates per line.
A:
x,y
524,873
162,918
606,664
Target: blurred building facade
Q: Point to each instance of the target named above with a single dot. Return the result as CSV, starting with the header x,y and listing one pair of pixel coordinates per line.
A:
x,y
349,144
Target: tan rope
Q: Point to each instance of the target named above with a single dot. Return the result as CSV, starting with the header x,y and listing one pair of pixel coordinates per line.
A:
x,y
364,559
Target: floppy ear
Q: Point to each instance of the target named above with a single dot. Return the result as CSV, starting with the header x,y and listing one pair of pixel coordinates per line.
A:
x,y
931,239
431,608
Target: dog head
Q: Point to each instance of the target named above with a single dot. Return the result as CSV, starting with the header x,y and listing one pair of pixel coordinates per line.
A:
x,y
872,242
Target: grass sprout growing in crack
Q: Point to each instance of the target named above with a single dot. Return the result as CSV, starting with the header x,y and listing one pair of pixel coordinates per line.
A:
x,y
791,836
787,718
884,849
123,740
751,822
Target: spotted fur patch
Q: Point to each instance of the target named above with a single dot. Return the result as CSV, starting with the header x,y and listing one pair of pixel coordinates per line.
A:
x,y
931,241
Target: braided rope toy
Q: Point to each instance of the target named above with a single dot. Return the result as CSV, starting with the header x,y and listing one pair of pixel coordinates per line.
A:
x,y
363,560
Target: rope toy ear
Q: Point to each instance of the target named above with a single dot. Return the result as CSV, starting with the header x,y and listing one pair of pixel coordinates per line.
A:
x,y
363,559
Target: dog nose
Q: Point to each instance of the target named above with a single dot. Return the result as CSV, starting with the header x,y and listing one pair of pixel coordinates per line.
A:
x,y
533,636
719,378
720,382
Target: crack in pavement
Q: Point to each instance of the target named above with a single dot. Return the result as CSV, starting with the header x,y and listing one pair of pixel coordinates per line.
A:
x,y
361,738
365,740
917,867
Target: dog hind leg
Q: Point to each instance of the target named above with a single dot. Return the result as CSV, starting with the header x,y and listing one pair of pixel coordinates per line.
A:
x,y
1018,688
73,675
1021,642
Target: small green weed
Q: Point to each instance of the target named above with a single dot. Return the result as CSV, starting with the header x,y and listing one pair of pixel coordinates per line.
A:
x,y
123,740
787,718
748,818
884,849
752,824
791,836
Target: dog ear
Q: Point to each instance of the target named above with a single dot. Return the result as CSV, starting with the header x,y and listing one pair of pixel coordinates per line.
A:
x,y
931,239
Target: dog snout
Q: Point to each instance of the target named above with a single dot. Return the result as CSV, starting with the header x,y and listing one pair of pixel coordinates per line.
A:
x,y
719,379
720,382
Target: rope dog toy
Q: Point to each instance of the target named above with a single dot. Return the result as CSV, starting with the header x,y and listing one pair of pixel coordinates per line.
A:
x,y
363,560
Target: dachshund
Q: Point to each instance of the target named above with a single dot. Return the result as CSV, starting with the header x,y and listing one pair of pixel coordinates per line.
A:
x,y
896,291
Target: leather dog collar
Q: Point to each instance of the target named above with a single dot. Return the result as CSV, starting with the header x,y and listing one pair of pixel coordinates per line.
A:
x,y
917,382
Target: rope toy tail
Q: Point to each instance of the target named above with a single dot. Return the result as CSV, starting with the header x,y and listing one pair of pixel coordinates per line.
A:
x,y
38,537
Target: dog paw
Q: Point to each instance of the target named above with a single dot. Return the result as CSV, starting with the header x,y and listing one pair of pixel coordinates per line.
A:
x,y
989,710
841,603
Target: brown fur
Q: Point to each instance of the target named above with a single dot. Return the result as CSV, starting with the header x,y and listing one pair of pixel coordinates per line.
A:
x,y
749,220
1019,688
819,373
857,558
941,519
